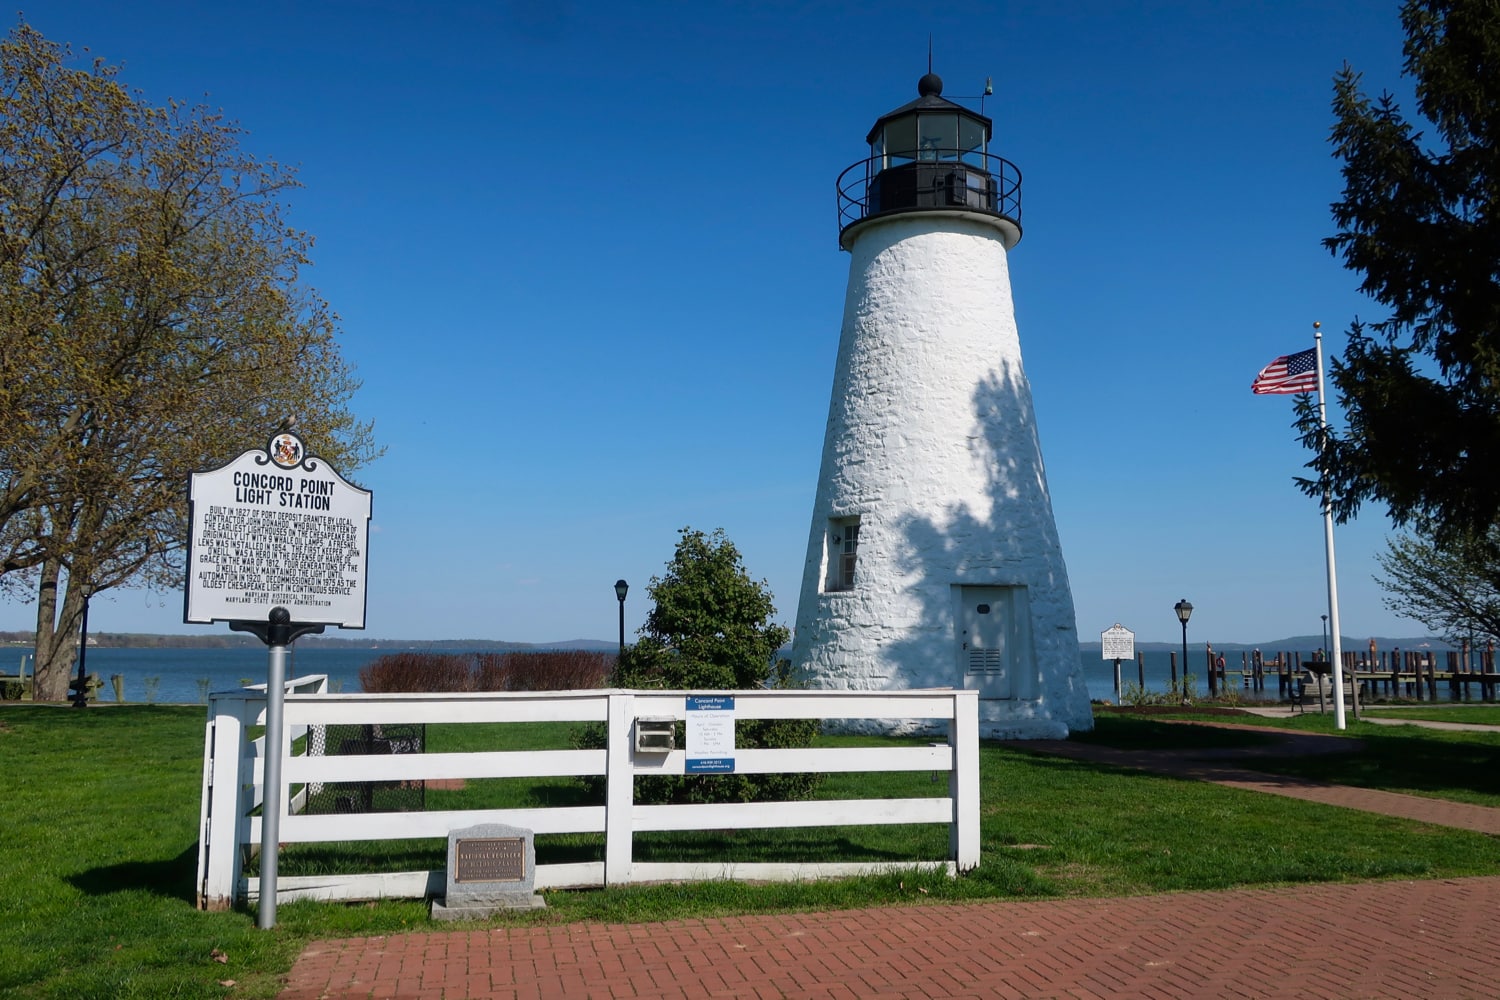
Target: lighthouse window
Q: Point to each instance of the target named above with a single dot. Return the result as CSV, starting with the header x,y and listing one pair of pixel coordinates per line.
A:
x,y
971,141
901,140
938,137
843,546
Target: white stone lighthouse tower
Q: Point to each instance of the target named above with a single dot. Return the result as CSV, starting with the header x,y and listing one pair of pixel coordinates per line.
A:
x,y
933,559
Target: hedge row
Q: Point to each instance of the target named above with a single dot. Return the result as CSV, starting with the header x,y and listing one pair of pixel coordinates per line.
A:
x,y
551,670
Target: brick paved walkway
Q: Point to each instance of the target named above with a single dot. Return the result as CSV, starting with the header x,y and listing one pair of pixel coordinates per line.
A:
x,y
1374,941
1382,940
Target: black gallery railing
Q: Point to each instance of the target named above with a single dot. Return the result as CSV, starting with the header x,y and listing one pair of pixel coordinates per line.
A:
x,y
935,179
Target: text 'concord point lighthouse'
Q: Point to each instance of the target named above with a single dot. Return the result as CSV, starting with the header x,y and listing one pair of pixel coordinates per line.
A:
x,y
933,558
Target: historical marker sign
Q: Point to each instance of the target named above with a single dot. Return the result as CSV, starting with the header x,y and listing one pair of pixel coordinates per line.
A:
x,y
277,528
1119,643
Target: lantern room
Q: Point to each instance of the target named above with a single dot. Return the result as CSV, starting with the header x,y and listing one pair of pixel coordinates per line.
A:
x,y
930,129
931,155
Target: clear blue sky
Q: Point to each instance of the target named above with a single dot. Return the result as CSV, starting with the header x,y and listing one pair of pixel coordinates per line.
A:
x,y
585,256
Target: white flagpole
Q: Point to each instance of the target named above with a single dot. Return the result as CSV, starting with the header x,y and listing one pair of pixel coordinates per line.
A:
x,y
1333,582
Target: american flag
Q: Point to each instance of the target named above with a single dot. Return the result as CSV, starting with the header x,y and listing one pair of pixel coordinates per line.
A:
x,y
1289,373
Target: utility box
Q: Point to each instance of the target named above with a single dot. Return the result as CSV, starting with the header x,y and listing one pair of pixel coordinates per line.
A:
x,y
655,735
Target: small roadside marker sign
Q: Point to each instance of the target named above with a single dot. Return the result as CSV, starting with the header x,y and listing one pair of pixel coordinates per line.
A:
x,y
1119,643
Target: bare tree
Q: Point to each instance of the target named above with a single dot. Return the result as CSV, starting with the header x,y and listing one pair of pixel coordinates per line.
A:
x,y
153,325
1450,589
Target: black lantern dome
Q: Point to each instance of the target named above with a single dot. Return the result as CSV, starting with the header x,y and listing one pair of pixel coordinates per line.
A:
x,y
931,155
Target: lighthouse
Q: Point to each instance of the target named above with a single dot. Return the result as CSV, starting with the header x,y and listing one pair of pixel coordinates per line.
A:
x,y
933,558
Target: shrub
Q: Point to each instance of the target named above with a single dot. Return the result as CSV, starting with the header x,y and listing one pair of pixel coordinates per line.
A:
x,y
540,670
711,627
1133,694
416,672
543,670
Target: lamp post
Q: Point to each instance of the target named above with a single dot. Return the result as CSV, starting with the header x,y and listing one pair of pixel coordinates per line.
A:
x,y
81,693
621,589
1325,631
1184,612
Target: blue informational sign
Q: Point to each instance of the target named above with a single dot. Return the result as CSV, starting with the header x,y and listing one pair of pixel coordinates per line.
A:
x,y
710,765
710,734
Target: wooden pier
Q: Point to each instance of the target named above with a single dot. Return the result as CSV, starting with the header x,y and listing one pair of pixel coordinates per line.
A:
x,y
1464,675
1419,675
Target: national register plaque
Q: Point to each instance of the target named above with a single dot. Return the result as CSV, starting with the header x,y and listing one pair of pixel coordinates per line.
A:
x,y
276,528
489,859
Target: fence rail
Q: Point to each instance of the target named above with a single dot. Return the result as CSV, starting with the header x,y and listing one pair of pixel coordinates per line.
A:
x,y
234,772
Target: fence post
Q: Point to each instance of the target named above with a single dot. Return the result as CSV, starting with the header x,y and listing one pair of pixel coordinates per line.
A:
x,y
224,824
963,782
619,793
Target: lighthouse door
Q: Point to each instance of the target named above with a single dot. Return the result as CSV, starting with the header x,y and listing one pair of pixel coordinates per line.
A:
x,y
993,644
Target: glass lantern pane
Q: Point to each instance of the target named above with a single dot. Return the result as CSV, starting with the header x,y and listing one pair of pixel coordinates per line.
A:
x,y
901,139
971,140
938,138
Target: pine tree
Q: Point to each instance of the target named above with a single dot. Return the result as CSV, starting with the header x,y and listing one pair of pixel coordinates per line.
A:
x,y
1420,221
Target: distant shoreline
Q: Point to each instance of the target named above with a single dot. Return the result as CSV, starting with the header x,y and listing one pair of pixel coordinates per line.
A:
x,y
132,640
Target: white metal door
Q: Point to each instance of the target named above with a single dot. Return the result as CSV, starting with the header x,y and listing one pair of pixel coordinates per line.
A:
x,y
985,633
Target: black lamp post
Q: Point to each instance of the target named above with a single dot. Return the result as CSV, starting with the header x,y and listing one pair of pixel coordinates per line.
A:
x,y
621,589
81,693
1184,612
1325,631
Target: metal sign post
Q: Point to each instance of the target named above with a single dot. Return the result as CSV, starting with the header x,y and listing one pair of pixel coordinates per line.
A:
x,y
276,547
277,632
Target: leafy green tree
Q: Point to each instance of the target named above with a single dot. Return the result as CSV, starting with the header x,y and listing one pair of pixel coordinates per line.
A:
x,y
1451,589
710,625
153,323
711,628
1420,221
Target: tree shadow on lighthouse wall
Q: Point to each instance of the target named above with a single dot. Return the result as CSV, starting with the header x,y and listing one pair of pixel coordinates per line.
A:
x,y
1004,535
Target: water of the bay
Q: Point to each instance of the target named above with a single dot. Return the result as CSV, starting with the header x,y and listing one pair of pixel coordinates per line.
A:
x,y
185,676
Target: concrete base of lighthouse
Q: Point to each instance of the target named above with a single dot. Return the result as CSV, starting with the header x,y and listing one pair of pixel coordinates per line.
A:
x,y
933,559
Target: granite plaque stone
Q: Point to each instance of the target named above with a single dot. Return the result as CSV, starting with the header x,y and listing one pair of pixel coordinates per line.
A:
x,y
491,867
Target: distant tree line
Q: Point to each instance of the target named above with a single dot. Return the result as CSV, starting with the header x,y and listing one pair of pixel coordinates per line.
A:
x,y
134,640
145,640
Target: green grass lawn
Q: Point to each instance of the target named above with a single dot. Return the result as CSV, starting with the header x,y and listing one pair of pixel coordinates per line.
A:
x,y
1477,715
100,812
1461,766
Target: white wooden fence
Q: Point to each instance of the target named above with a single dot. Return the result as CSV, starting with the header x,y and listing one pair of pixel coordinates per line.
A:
x,y
233,771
